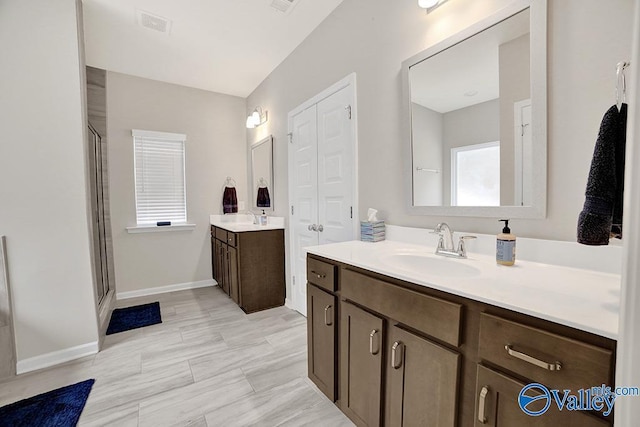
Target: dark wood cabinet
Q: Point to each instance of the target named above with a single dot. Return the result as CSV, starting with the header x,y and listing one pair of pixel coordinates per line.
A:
x,y
421,382
497,405
249,267
409,355
321,339
361,355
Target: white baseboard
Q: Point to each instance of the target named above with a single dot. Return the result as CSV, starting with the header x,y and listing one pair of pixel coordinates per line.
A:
x,y
165,289
56,357
288,303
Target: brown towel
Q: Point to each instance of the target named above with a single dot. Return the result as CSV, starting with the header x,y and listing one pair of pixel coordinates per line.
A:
x,y
263,200
229,200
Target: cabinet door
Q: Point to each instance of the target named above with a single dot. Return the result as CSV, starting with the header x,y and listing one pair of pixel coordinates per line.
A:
x,y
321,336
224,264
234,283
214,260
361,341
217,261
422,381
497,405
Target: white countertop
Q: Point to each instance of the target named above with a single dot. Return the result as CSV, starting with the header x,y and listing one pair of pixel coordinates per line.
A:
x,y
239,223
579,298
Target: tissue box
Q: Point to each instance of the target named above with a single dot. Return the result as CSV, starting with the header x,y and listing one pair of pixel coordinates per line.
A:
x,y
372,231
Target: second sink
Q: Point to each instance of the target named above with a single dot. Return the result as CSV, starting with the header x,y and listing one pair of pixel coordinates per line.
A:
x,y
430,265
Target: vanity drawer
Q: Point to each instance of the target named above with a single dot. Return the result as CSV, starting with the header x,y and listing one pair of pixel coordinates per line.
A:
x,y
321,274
436,317
231,238
553,360
221,234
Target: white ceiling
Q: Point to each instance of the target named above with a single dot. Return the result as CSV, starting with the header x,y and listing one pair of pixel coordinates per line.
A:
x,y
441,81
225,46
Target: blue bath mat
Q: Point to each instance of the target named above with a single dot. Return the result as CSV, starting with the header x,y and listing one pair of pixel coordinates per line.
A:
x,y
124,319
58,408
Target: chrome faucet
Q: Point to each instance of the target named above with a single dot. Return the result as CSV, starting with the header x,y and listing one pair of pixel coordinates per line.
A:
x,y
255,218
445,242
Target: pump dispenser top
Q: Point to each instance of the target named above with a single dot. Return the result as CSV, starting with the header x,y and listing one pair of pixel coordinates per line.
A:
x,y
506,246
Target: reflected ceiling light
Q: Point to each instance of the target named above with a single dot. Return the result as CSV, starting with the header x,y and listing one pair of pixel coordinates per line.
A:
x,y
430,4
256,118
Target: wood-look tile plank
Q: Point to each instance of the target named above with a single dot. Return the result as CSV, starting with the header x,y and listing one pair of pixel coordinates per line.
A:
x,y
227,359
324,414
277,368
266,408
110,394
194,400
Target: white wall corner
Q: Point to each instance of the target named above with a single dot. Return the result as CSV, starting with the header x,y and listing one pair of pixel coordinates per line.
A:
x,y
165,289
56,357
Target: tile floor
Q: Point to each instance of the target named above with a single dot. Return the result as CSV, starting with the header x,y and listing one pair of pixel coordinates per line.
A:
x,y
208,364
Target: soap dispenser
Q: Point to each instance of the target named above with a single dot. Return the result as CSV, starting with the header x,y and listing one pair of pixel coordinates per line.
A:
x,y
506,245
263,218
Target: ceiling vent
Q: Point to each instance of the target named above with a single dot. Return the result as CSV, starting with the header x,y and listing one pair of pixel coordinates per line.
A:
x,y
153,22
284,6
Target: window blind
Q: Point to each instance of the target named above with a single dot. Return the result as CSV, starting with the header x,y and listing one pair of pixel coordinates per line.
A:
x,y
160,177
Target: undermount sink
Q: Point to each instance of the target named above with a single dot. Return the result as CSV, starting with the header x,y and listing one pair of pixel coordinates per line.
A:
x,y
430,265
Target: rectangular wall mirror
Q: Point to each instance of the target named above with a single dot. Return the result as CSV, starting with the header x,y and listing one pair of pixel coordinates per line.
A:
x,y
261,175
475,107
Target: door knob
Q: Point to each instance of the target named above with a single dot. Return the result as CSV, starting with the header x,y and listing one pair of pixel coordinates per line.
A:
x,y
312,227
320,228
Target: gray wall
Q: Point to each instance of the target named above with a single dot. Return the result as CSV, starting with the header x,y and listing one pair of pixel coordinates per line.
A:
x,y
215,148
43,178
514,86
476,124
427,153
586,39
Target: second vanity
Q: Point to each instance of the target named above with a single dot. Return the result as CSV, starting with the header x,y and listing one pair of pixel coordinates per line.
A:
x,y
247,260
398,336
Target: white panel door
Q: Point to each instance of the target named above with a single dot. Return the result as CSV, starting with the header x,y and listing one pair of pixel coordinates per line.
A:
x,y
335,174
304,199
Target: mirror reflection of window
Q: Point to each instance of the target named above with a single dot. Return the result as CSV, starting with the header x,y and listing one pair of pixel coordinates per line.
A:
x,y
475,175
465,95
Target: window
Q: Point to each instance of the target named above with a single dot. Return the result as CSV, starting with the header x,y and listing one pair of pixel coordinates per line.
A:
x,y
159,160
475,175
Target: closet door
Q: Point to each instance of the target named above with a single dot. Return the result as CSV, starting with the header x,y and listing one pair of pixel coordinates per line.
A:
x,y
305,197
335,174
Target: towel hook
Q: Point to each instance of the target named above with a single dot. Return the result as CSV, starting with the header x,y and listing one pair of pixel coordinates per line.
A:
x,y
229,182
621,83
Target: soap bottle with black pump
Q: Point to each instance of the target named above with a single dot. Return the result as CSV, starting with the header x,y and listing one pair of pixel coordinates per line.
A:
x,y
506,246
263,218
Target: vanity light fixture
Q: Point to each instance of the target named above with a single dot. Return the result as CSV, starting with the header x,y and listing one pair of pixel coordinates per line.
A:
x,y
430,5
256,118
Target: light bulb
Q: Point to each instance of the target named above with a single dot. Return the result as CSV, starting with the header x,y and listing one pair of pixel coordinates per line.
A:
x,y
426,4
250,123
256,118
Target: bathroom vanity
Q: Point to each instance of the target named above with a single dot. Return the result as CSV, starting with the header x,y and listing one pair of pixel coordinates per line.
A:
x,y
453,343
248,262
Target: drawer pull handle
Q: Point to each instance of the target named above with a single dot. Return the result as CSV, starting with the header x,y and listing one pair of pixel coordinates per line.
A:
x,y
373,350
327,319
318,275
555,366
397,354
482,403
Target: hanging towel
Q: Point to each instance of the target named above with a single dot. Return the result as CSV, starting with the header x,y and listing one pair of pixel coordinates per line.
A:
x,y
601,216
229,200
263,201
